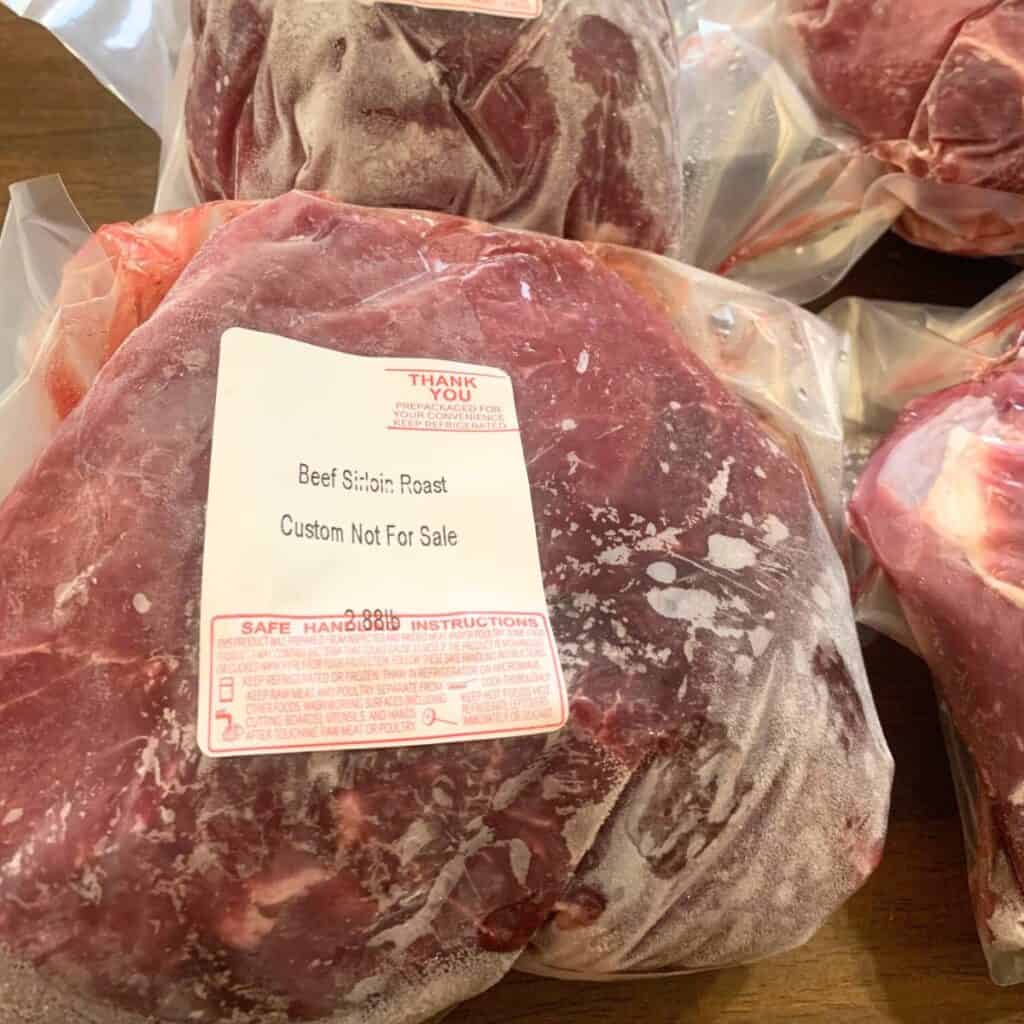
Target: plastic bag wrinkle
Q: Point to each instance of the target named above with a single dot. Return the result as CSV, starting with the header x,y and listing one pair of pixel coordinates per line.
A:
x,y
565,124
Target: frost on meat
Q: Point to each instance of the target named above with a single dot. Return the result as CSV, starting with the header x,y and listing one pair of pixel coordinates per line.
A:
x,y
564,124
765,807
722,779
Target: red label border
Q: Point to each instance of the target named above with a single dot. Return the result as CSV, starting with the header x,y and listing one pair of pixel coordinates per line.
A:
x,y
385,742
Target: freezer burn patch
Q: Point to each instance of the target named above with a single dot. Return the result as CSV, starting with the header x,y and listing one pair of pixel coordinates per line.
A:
x,y
370,567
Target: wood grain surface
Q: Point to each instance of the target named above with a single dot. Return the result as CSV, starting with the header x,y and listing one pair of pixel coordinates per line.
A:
x,y
904,949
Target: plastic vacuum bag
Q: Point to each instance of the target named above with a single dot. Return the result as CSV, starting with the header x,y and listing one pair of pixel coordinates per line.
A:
x,y
774,195
73,298
581,123
565,123
938,507
920,104
41,234
132,47
722,784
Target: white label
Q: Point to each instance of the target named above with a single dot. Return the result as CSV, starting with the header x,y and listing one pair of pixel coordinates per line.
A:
x,y
370,570
501,8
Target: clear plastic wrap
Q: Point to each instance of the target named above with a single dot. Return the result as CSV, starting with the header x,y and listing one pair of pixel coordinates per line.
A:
x,y
41,234
920,105
772,195
565,123
722,784
585,127
131,46
937,505
73,298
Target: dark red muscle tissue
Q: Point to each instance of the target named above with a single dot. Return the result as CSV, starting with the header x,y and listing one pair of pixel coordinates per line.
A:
x,y
564,124
941,506
936,88
722,783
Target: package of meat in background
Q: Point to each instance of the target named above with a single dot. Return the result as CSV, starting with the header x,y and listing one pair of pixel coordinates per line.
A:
x,y
918,110
590,119
720,783
551,115
934,397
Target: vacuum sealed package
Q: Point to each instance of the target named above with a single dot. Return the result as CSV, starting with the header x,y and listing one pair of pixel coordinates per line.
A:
x,y
711,781
557,116
918,110
562,122
935,91
680,128
938,507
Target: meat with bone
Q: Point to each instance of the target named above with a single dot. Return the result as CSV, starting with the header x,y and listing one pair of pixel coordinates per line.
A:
x,y
708,715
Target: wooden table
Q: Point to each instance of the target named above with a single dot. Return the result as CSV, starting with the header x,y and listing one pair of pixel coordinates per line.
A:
x,y
905,949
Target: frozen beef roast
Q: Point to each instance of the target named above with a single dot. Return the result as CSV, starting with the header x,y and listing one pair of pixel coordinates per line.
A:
x,y
721,784
940,506
936,87
564,124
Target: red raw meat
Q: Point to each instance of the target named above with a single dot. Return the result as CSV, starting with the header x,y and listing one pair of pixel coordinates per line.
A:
x,y
935,86
722,773
768,810
565,124
941,506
